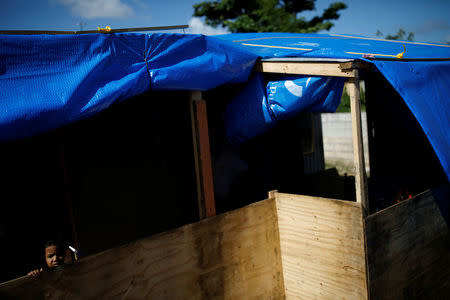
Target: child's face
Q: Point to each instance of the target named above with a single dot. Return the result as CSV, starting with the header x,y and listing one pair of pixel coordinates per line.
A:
x,y
54,256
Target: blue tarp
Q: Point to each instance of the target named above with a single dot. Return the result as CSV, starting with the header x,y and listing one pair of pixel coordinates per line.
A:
x,y
47,81
268,45
425,88
259,106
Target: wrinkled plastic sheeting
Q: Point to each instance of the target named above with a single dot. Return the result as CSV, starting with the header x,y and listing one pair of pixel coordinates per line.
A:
x,y
315,45
195,62
423,84
259,106
47,81
425,88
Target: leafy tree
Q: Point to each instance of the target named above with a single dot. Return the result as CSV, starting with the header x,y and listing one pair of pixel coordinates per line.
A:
x,y
266,15
344,106
401,35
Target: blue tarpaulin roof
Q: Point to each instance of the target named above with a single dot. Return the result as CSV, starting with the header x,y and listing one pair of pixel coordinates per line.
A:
x,y
47,81
260,105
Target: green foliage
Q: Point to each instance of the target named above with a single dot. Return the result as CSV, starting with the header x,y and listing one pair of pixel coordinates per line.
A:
x,y
345,102
266,15
401,35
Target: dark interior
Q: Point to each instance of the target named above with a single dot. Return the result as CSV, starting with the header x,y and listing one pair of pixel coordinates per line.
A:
x,y
402,160
288,158
128,172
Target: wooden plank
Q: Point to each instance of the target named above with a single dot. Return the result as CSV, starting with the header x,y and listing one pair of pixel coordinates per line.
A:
x,y
202,154
408,248
358,151
231,256
305,68
360,65
322,247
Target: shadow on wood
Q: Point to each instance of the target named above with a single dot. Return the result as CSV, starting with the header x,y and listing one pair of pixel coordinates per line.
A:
x,y
233,255
408,249
288,246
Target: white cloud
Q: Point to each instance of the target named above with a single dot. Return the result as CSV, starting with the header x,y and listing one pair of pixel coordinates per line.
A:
x,y
196,26
90,9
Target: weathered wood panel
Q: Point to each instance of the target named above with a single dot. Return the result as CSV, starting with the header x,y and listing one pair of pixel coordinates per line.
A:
x,y
322,247
231,256
408,248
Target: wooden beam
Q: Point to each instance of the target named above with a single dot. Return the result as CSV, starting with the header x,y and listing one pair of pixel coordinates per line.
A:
x,y
306,68
202,155
358,152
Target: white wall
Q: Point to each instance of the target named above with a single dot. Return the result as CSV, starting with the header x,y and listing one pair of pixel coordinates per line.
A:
x,y
337,138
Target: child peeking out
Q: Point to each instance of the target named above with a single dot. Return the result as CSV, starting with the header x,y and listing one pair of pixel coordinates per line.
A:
x,y
56,255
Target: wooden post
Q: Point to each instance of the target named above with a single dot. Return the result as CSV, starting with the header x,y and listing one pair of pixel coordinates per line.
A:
x,y
202,155
358,153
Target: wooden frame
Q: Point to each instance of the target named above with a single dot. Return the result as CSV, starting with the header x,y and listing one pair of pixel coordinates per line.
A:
x,y
358,151
205,186
335,69
200,133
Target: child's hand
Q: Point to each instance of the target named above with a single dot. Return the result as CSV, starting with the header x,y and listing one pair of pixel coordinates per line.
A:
x,y
35,273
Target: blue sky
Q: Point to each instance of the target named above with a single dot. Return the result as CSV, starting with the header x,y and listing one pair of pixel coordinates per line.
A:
x,y
429,20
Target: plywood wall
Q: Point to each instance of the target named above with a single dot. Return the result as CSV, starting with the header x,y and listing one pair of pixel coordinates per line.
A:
x,y
322,247
232,256
288,246
409,249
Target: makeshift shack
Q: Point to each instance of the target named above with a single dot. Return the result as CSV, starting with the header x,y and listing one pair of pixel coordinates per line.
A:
x,y
206,127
